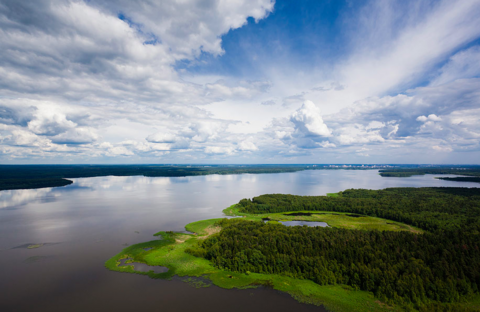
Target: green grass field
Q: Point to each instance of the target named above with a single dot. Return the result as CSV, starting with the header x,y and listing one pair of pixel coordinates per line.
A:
x,y
333,219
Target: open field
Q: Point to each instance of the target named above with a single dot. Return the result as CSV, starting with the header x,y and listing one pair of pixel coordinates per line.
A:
x,y
333,219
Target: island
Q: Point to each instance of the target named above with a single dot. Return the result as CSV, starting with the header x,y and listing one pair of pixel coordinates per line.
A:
x,y
397,249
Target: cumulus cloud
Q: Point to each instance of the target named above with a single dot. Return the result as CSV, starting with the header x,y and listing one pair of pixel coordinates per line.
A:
x,y
50,124
203,131
431,117
72,69
24,138
76,136
15,116
99,80
219,150
188,26
247,146
161,137
426,116
357,134
305,129
308,121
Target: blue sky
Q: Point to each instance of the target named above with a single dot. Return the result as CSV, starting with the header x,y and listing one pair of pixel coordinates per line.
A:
x,y
254,81
304,33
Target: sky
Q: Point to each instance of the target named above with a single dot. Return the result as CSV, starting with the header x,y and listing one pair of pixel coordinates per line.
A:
x,y
240,81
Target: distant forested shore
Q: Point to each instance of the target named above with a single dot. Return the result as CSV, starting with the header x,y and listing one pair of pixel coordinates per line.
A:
x,y
38,176
473,171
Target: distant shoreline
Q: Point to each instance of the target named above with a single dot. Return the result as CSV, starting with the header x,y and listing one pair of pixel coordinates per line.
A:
x,y
14,177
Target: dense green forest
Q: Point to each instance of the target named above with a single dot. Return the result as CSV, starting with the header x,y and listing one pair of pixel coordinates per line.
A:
x,y
14,184
473,171
427,208
462,179
421,270
37,176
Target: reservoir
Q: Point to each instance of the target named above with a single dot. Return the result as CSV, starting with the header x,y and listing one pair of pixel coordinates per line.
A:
x,y
54,241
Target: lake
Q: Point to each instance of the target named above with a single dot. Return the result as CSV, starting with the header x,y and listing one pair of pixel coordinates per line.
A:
x,y
84,224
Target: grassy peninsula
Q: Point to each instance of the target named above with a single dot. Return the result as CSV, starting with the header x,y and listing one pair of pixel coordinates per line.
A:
x,y
175,251
366,260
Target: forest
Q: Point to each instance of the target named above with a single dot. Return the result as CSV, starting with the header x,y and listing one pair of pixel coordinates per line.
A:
x,y
402,172
434,269
37,176
461,179
427,208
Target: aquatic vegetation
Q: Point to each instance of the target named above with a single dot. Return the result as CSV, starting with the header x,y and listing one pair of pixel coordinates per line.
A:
x,y
33,246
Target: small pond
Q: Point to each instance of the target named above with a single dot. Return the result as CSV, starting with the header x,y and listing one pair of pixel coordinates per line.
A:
x,y
301,223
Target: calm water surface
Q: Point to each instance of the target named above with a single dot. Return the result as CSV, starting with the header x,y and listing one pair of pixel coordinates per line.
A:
x,y
84,224
301,223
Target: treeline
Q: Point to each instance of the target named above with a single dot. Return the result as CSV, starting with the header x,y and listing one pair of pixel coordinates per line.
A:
x,y
398,267
427,271
461,179
431,209
36,176
408,172
14,184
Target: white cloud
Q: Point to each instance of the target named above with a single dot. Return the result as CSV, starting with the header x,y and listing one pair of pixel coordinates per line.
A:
x,y
357,134
77,81
247,146
420,44
24,138
442,148
219,150
375,125
76,136
431,117
162,138
462,65
50,123
189,26
308,121
326,144
202,131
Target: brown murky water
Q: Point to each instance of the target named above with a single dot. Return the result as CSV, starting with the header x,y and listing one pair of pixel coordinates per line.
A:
x,y
74,229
